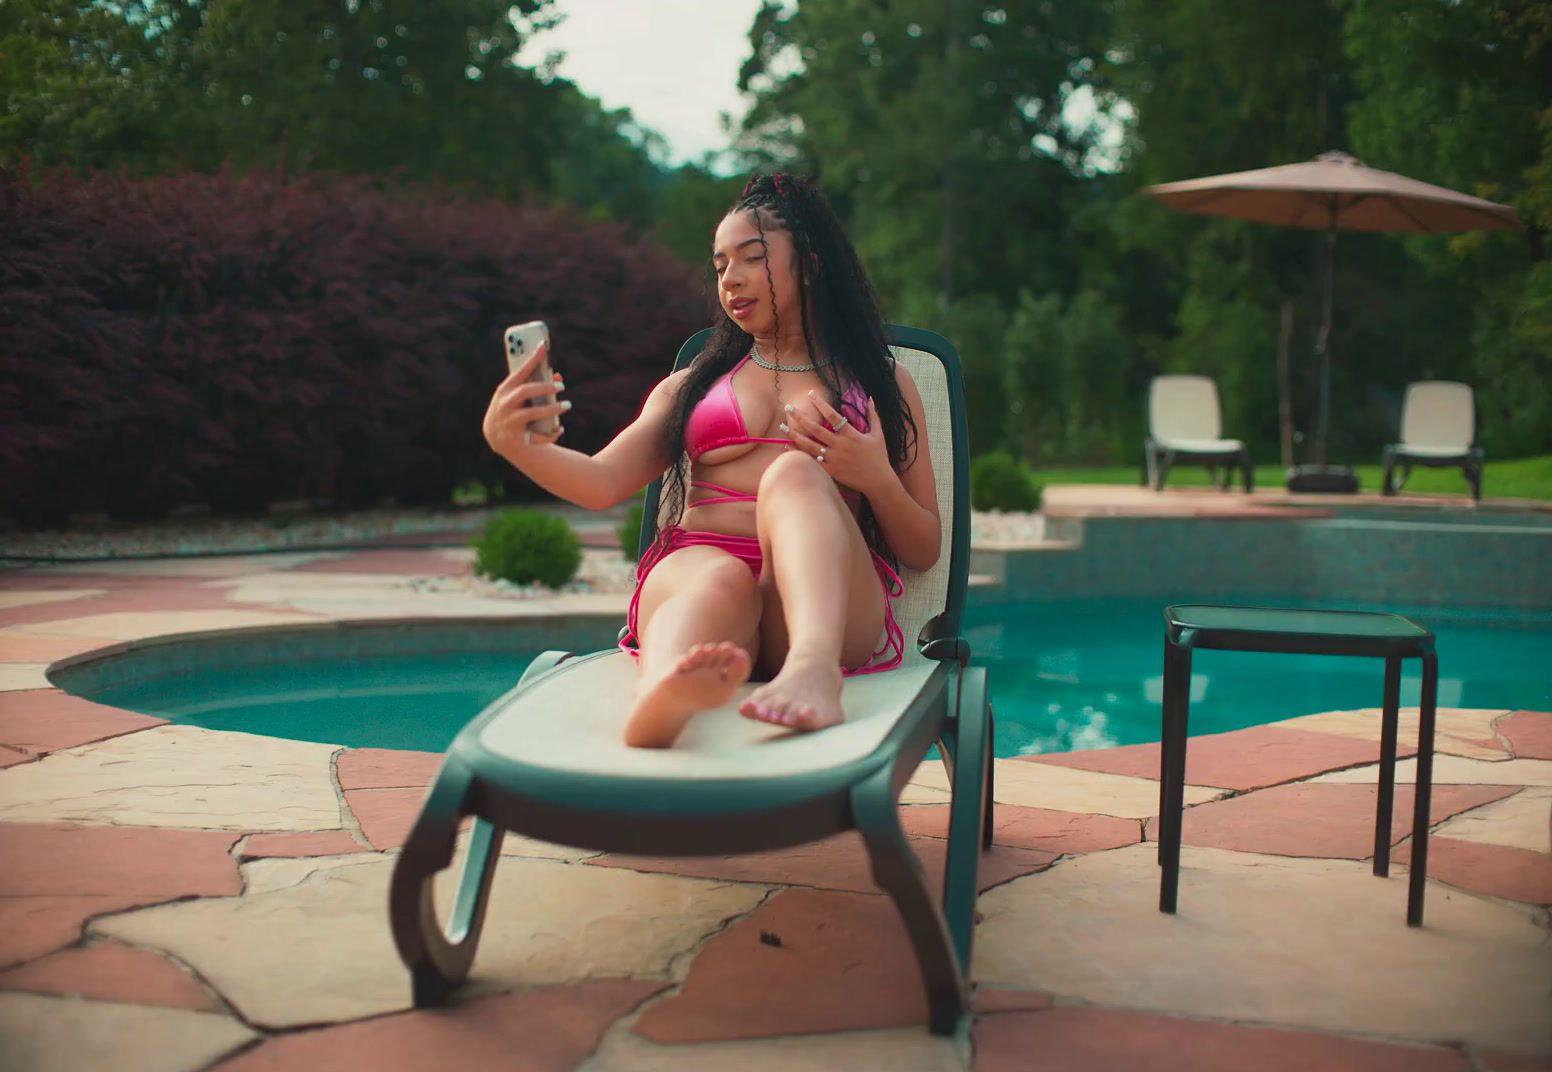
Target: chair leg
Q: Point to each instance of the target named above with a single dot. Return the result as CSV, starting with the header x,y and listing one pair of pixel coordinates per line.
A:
x,y
1388,462
1387,791
1177,696
1247,471
899,874
967,811
1474,465
988,822
1161,469
439,959
1421,799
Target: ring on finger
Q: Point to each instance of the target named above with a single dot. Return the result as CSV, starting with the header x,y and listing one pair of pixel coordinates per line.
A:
x,y
842,423
527,436
821,454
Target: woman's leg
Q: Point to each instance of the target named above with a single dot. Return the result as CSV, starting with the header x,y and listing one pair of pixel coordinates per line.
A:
x,y
824,605
698,627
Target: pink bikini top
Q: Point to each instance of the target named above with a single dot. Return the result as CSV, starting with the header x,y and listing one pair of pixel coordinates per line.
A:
x,y
716,421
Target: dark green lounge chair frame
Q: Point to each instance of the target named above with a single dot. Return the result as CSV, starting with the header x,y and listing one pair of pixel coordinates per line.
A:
x,y
714,817
1158,460
1304,632
1470,462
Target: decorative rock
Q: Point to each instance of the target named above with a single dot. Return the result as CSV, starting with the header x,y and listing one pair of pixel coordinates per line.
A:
x,y
549,1030
1529,733
841,962
1062,832
48,1034
1460,731
386,768
1455,770
548,922
1513,874
1334,821
1102,1040
1523,821
57,876
1243,759
46,720
1318,944
1041,785
107,971
179,776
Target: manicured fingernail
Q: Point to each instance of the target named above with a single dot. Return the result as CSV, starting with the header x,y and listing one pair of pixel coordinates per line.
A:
x,y
787,408
565,405
783,427
811,394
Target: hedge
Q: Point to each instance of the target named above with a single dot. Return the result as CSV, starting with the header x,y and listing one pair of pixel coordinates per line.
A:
x,y
236,340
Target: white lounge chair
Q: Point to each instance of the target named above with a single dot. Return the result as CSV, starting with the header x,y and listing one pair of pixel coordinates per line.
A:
x,y
1184,423
1438,424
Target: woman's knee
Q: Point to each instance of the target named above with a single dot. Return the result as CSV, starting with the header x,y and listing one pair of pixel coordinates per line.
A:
x,y
793,472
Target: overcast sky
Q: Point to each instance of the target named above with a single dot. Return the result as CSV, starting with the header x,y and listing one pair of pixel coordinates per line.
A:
x,y
673,63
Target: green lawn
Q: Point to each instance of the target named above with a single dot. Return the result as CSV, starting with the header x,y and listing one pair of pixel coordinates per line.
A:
x,y
1520,478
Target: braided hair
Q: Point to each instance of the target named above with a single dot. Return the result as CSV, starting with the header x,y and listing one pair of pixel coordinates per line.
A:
x,y
841,322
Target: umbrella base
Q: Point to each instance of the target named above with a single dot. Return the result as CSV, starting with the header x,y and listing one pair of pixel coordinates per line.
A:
x,y
1323,479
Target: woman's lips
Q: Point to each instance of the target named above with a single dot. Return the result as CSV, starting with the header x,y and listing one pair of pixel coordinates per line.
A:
x,y
740,308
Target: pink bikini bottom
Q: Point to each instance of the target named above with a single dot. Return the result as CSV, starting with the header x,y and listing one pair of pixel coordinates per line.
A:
x,y
747,550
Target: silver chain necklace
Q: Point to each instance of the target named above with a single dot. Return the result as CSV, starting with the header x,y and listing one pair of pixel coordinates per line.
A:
x,y
778,368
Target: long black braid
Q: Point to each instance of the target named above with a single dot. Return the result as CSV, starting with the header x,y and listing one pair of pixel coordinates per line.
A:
x,y
841,322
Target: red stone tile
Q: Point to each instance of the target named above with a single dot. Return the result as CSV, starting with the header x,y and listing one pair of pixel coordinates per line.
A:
x,y
10,757
549,1030
1063,832
1332,820
835,863
1243,759
1101,1040
165,595
40,721
805,961
410,563
386,815
1494,870
319,843
108,971
1529,733
988,1002
1500,1061
45,649
58,875
386,768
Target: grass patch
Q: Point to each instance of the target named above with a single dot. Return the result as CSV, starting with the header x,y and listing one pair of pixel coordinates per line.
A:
x,y
1519,478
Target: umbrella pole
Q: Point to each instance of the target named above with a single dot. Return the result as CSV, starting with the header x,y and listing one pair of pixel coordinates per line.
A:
x,y
1323,350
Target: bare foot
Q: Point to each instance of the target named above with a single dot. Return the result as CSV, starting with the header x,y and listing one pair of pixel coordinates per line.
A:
x,y
704,676
804,695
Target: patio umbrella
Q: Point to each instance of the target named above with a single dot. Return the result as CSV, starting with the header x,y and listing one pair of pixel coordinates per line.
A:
x,y
1333,192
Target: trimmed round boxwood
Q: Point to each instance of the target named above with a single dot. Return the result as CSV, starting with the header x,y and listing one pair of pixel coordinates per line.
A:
x,y
999,481
527,547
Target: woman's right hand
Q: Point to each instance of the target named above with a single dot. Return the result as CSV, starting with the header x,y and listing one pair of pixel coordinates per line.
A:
x,y
508,418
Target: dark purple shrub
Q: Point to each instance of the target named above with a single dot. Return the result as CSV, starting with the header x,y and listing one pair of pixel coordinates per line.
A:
x,y
236,340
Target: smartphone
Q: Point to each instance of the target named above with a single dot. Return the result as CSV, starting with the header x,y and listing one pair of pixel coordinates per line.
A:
x,y
522,340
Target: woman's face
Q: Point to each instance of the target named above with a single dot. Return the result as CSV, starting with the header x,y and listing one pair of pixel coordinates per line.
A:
x,y
740,256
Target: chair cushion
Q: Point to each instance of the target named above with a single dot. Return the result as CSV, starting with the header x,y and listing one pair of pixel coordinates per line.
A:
x,y
573,718
1418,450
1201,446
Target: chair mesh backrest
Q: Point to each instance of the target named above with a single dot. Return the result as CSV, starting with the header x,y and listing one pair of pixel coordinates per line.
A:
x,y
926,592
1184,407
1438,413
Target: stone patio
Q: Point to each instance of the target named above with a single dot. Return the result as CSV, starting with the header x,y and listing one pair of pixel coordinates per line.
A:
x,y
180,899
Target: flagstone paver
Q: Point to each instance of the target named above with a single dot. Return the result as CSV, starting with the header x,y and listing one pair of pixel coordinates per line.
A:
x,y
1458,771
386,816
903,1049
108,971
1309,943
59,875
24,597
549,1030
1040,785
1529,734
1460,731
386,768
179,776
9,757
45,720
407,563
1103,1040
1242,759
1335,821
321,843
1514,874
835,863
1521,821
52,1034
805,961
1499,1061
137,625
1064,832
549,923
23,644
18,677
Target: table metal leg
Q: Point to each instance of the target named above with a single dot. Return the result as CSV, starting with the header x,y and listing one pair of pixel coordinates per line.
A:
x,y
1420,807
1177,697
1387,794
1166,741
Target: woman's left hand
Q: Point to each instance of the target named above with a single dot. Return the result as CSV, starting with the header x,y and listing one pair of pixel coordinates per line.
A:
x,y
856,459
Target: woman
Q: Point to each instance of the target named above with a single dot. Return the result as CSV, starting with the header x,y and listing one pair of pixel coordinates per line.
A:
x,y
807,479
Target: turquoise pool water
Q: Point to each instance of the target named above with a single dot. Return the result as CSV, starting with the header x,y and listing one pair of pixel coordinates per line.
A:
x,y
1075,675
1064,676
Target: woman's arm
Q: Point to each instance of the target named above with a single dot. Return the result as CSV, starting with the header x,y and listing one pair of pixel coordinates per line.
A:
x,y
906,503
630,461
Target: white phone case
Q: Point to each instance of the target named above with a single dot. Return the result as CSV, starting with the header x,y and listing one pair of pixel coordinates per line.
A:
x,y
521,341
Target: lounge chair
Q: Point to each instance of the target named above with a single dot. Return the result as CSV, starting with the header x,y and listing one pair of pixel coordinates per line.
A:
x,y
547,759
1438,424
1184,424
